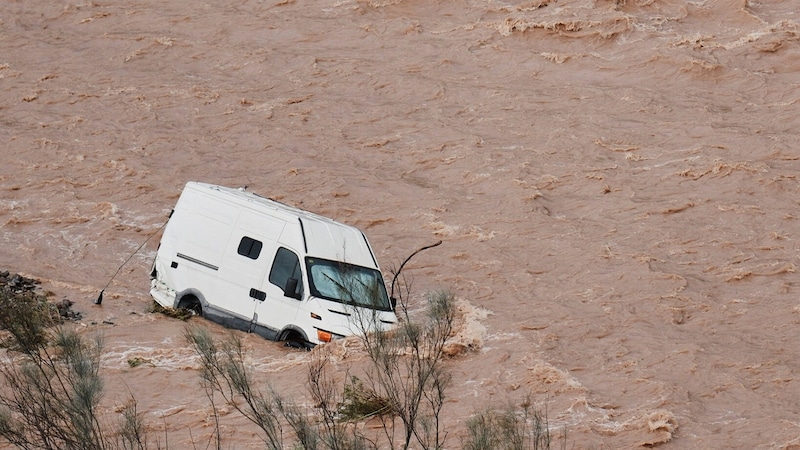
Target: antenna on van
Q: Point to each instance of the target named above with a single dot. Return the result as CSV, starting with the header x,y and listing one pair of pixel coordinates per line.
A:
x,y
99,299
397,274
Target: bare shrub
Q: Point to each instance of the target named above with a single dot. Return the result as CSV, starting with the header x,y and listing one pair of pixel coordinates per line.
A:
x,y
523,428
337,428
407,369
305,429
223,371
52,383
132,435
324,392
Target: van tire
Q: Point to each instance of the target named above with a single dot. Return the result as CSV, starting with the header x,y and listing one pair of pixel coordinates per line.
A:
x,y
191,303
294,339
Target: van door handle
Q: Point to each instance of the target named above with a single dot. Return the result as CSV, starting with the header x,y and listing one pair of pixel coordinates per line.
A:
x,y
258,295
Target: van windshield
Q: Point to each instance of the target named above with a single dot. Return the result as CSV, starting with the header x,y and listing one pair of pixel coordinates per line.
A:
x,y
346,283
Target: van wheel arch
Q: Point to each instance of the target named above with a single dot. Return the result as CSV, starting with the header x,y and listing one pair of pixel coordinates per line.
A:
x,y
191,302
295,337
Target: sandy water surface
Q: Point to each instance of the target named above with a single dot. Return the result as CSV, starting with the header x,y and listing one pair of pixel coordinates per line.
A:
x,y
614,182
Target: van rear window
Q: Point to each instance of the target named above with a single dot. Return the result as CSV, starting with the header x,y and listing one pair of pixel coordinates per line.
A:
x,y
250,247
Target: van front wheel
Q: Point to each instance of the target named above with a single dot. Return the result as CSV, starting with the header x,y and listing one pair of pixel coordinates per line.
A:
x,y
294,339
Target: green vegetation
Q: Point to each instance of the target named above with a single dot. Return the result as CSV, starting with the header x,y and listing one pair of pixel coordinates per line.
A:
x,y
514,428
359,402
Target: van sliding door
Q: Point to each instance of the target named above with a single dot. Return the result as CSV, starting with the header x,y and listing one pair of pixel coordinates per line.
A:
x,y
248,257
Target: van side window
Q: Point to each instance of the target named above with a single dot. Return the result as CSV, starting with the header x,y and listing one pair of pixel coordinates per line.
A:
x,y
285,266
250,247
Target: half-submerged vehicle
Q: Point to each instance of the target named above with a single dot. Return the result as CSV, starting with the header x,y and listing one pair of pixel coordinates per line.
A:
x,y
261,266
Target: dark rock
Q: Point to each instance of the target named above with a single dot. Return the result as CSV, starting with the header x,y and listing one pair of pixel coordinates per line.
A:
x,y
64,307
16,284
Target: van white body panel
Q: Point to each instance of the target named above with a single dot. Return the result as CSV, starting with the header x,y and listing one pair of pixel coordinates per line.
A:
x,y
230,253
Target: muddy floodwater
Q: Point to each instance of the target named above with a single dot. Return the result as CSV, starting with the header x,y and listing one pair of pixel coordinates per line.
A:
x,y
615,184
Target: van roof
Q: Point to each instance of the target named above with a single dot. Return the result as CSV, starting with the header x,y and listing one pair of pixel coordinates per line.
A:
x,y
322,237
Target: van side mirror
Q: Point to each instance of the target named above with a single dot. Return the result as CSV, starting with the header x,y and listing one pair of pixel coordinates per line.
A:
x,y
394,303
291,289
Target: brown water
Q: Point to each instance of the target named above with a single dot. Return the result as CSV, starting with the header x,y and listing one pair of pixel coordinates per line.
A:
x,y
615,184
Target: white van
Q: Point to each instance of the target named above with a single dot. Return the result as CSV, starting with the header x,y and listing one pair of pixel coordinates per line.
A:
x,y
258,265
